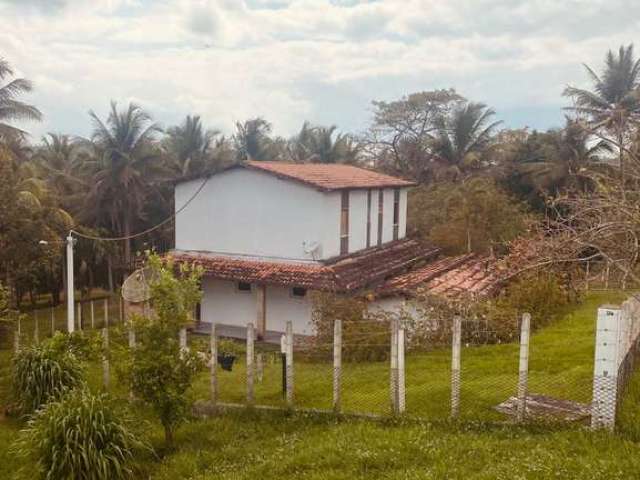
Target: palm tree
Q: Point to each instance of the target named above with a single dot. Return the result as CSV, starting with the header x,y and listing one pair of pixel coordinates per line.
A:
x,y
462,136
614,103
11,108
316,144
124,171
252,140
190,146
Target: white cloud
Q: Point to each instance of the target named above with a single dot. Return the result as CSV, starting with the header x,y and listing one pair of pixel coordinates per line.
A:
x,y
291,60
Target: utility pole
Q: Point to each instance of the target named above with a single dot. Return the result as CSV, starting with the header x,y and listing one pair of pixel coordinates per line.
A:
x,y
70,292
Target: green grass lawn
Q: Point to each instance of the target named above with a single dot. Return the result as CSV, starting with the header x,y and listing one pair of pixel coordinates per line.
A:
x,y
277,445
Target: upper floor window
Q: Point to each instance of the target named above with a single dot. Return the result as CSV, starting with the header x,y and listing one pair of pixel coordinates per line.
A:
x,y
368,218
396,213
380,214
344,222
299,292
243,287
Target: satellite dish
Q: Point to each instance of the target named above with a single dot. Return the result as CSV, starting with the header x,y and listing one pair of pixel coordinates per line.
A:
x,y
136,288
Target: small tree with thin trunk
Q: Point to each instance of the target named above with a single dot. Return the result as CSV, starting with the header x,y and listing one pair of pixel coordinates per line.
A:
x,y
157,370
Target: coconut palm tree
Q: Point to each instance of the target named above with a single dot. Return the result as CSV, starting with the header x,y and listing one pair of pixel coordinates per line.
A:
x,y
252,140
124,170
10,107
614,103
190,147
317,144
462,137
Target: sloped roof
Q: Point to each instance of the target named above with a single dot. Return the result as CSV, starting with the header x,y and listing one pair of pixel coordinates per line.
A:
x,y
340,274
330,176
449,277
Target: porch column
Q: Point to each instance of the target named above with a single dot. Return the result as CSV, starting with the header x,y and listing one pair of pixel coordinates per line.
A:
x,y
261,310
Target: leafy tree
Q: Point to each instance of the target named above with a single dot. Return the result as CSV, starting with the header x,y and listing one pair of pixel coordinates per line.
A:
x,y
124,171
613,106
10,107
473,216
400,137
252,140
462,137
190,147
317,144
81,436
157,370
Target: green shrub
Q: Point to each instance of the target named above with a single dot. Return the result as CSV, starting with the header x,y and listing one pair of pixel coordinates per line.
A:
x,y
42,374
79,437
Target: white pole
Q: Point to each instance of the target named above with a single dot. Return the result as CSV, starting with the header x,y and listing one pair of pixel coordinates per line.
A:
x,y
337,363
456,343
401,372
250,336
289,363
393,373
523,370
70,293
214,364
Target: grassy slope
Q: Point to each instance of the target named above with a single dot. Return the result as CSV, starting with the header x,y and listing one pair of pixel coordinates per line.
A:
x,y
276,446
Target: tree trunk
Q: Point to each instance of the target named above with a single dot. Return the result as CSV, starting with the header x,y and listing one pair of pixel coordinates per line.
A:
x,y
168,436
109,273
622,167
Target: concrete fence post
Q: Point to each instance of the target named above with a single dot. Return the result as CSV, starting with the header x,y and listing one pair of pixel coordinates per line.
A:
x,y
337,364
93,315
36,327
393,367
183,339
106,311
523,369
401,370
605,375
214,364
289,363
250,359
106,372
16,335
79,315
259,367
456,344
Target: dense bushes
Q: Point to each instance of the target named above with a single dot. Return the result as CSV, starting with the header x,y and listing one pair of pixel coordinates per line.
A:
x,y
43,373
81,437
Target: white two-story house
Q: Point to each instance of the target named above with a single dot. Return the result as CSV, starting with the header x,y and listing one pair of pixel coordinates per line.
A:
x,y
269,233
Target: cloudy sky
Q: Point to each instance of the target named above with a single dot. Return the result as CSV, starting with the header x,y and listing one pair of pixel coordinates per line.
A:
x,y
296,60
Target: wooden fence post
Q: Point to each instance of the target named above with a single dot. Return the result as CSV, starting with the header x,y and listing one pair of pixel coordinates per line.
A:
x,y
214,364
79,315
53,321
393,370
183,339
259,367
132,336
587,272
250,336
337,364
401,370
456,344
523,370
121,309
289,364
93,315
106,311
105,358
36,327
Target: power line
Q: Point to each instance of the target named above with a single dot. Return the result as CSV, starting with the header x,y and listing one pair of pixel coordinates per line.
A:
x,y
148,230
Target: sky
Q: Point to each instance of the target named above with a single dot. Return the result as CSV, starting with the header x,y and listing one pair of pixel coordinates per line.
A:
x,y
294,60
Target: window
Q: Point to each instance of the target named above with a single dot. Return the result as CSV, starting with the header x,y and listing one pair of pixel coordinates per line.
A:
x,y
344,223
244,287
380,211
299,292
368,218
396,213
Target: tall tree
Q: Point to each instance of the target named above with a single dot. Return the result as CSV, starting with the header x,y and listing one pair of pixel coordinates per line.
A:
x,y
462,137
252,140
124,170
190,146
11,108
317,144
612,108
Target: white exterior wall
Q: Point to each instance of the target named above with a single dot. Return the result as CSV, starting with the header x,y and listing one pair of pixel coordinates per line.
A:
x,y
223,303
374,217
245,212
357,220
402,231
387,218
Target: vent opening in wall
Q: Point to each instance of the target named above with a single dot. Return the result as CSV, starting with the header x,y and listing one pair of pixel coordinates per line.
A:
x,y
298,292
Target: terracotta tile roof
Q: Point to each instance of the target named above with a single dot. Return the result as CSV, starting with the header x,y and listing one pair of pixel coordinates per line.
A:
x,y
329,176
340,274
450,277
